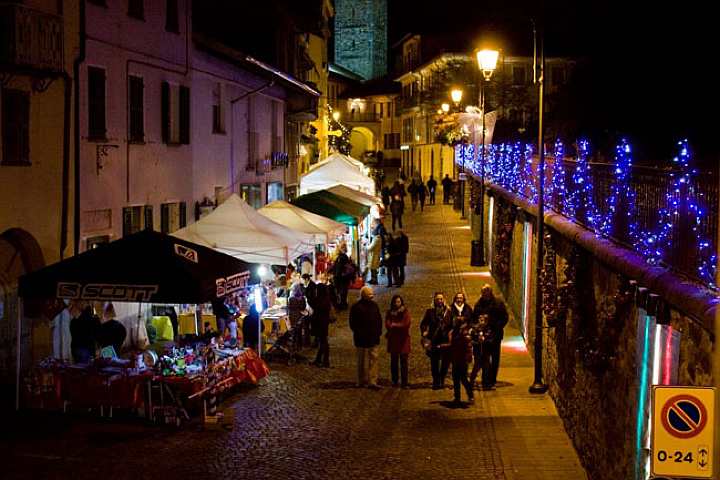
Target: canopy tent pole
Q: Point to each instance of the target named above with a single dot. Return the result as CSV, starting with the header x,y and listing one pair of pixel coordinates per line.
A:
x,y
20,313
314,262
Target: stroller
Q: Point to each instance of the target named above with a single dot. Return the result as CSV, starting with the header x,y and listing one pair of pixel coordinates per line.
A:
x,y
288,345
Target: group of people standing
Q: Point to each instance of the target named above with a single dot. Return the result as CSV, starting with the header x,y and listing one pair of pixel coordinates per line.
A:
x,y
452,335
389,252
393,198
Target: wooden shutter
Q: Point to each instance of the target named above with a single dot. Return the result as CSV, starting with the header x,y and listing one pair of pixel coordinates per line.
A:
x,y
183,214
96,103
165,112
184,115
137,122
171,16
165,218
148,217
15,127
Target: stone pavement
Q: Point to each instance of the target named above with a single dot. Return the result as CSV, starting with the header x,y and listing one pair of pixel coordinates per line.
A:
x,y
311,423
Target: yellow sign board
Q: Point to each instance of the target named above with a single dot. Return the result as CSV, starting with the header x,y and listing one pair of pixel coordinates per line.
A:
x,y
683,431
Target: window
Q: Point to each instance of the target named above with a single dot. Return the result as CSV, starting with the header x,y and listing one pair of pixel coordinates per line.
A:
x,y
172,216
250,192
557,75
137,112
518,75
136,218
175,114
96,103
253,150
275,119
274,191
15,127
218,110
100,3
408,130
136,9
95,242
171,16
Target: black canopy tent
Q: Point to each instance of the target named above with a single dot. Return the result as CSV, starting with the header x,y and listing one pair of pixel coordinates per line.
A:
x,y
147,266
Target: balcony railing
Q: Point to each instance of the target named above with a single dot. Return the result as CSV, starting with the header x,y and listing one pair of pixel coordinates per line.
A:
x,y
360,117
30,40
667,215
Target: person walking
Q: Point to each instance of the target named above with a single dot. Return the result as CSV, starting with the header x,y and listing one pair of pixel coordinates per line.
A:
x,y
422,194
403,248
391,260
431,187
434,330
413,191
397,323
385,195
397,207
460,309
374,251
296,306
320,324
447,185
491,316
343,274
398,190
309,289
366,325
461,354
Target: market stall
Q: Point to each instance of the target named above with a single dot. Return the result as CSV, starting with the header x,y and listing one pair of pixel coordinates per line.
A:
x,y
340,209
143,268
336,170
237,229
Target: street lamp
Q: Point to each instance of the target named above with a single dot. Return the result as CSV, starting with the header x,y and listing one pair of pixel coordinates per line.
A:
x,y
456,95
487,62
538,385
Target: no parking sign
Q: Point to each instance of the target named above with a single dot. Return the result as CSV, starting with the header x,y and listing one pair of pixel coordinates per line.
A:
x,y
683,431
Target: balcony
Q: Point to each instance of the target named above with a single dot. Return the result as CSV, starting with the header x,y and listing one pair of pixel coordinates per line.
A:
x,y
30,41
357,117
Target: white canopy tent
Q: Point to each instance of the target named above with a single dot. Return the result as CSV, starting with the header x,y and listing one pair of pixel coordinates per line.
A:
x,y
301,220
355,195
336,170
239,230
347,158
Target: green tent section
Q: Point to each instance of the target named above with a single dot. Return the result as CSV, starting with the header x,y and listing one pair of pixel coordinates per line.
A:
x,y
333,206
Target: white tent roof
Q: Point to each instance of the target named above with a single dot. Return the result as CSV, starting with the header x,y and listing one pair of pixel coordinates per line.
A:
x,y
355,195
336,170
339,156
237,229
301,220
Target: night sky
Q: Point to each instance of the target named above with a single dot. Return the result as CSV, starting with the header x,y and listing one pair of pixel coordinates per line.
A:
x,y
651,72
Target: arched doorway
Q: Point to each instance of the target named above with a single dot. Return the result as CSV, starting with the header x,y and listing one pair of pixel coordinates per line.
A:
x,y
20,253
362,140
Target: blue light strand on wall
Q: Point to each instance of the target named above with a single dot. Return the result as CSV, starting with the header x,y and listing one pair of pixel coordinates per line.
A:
x,y
556,195
581,201
621,201
529,176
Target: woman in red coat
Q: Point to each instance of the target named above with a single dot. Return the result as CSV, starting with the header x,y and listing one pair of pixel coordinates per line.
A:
x,y
397,322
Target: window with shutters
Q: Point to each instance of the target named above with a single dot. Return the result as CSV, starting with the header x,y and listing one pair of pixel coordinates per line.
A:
x,y
252,141
136,9
251,193
133,219
96,104
275,191
172,216
175,114
218,109
137,112
171,16
275,119
15,117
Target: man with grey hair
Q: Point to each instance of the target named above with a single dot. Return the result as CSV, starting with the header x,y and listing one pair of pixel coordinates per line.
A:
x,y
366,324
489,317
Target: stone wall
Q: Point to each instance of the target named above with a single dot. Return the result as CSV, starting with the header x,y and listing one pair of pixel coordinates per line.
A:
x,y
590,346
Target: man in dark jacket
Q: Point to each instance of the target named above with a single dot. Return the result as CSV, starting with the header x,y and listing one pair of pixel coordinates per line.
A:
x,y
435,329
320,323
397,208
83,330
447,185
366,324
487,354
403,247
432,186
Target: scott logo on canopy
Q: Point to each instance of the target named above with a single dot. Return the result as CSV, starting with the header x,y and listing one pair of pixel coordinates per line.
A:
x,y
104,291
231,284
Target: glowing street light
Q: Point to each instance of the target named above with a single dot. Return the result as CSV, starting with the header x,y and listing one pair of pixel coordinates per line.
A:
x,y
456,95
487,62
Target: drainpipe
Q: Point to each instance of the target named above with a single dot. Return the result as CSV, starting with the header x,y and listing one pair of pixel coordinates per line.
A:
x,y
64,213
76,76
232,128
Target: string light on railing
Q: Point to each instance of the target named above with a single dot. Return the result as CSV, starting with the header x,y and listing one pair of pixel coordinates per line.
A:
x,y
556,196
529,178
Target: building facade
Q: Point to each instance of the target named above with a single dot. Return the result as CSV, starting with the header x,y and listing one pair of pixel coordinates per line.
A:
x,y
361,37
38,49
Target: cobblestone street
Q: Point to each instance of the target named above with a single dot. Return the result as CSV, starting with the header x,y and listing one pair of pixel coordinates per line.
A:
x,y
309,423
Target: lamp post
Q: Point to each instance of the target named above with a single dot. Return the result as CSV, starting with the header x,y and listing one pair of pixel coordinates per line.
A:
x,y
538,385
487,62
456,95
